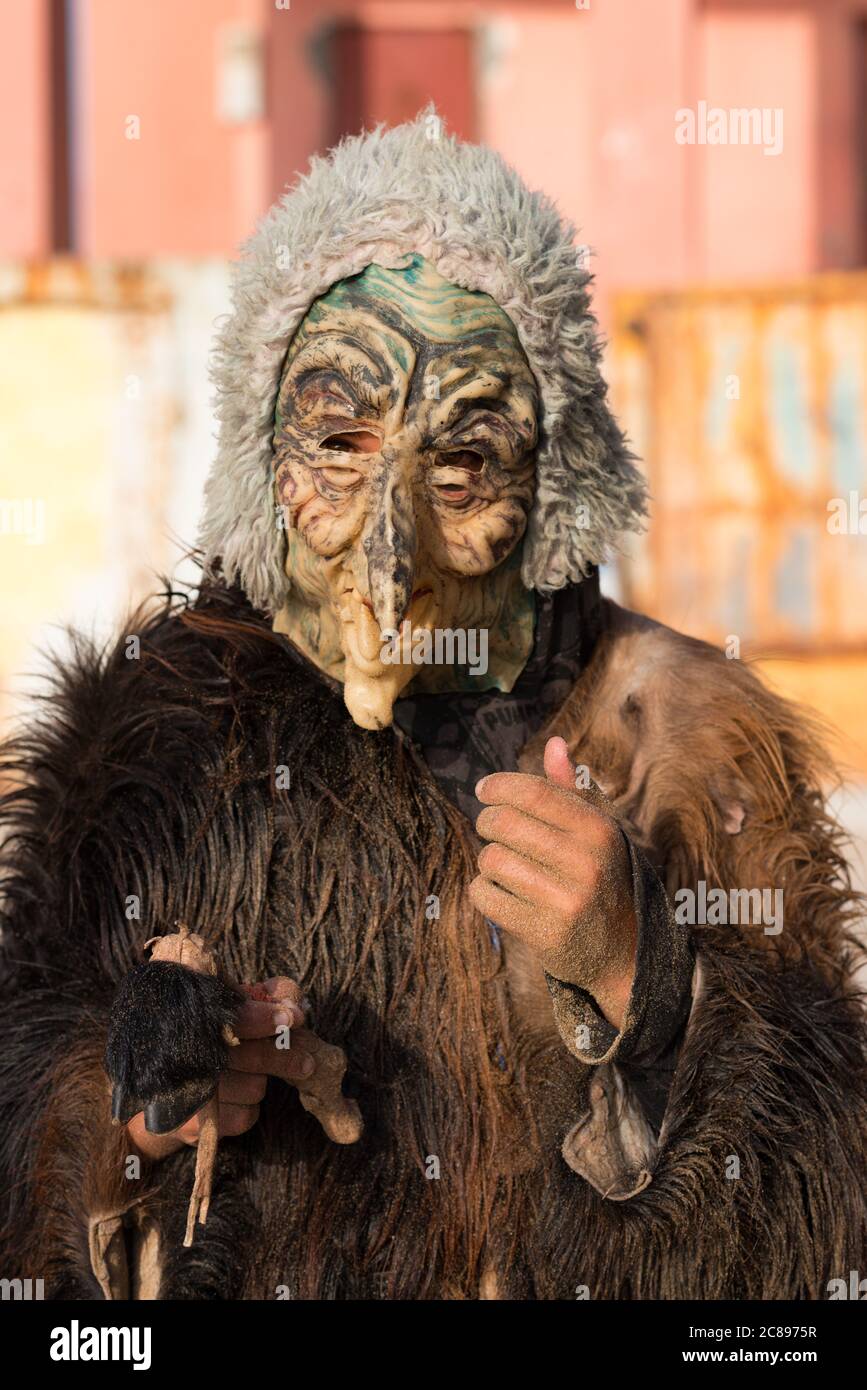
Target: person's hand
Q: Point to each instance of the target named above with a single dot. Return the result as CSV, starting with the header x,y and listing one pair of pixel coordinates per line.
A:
x,y
262,1022
556,874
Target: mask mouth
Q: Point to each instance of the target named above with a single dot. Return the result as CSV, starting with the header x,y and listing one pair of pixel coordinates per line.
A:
x,y
362,637
371,685
359,633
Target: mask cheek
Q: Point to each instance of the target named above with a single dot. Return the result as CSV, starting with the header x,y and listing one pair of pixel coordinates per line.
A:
x,y
478,543
328,524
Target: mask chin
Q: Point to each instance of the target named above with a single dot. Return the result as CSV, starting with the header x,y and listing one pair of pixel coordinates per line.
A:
x,y
371,701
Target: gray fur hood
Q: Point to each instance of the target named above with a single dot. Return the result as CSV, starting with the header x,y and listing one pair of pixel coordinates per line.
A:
x,y
380,197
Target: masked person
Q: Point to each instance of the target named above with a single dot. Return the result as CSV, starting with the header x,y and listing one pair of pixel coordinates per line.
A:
x,y
559,881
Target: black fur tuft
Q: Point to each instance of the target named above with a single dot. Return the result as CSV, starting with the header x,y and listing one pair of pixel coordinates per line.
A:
x,y
166,1041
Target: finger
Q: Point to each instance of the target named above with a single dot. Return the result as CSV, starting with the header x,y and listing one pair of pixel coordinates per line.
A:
x,y
533,838
236,1119
241,1087
189,1132
558,765
523,878
248,1055
504,909
262,1055
277,988
281,987
155,1146
561,772
260,1020
231,1120
536,797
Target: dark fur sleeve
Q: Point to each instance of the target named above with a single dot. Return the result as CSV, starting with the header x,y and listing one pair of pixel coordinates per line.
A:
x,y
757,1185
645,1049
757,1182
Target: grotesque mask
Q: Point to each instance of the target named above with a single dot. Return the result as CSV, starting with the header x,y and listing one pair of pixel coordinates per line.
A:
x,y
404,465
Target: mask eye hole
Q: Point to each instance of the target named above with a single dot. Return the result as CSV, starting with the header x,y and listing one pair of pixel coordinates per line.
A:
x,y
352,442
455,491
468,459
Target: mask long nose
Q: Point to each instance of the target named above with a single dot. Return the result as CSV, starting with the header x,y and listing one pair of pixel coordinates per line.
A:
x,y
389,542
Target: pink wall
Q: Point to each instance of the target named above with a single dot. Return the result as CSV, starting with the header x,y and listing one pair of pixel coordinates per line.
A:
x,y
191,183
583,101
757,212
576,105
298,98
25,203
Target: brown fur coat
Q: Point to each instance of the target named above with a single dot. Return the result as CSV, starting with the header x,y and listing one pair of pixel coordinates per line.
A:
x,y
151,782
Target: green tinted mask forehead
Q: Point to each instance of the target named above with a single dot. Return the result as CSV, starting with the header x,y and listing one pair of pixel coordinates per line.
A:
x,y
419,301
416,301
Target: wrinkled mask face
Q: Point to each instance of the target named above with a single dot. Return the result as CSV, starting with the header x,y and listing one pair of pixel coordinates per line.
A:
x,y
405,431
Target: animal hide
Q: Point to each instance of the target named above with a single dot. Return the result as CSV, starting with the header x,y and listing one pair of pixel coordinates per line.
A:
x,y
148,794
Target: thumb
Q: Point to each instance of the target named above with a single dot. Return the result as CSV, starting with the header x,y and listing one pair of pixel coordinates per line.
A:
x,y
558,765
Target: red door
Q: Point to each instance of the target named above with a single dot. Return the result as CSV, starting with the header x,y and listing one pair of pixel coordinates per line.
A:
x,y
390,74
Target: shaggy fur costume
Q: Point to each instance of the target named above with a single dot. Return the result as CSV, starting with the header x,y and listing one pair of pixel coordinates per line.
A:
x,y
148,795
155,778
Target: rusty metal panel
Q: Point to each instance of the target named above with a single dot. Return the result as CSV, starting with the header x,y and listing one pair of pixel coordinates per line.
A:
x,y
749,408
106,434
